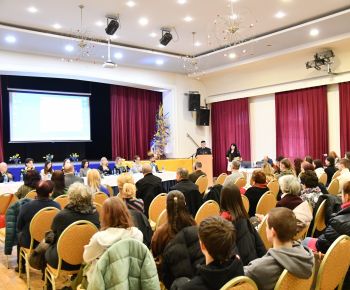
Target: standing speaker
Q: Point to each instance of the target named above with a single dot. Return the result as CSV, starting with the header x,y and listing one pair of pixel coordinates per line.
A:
x,y
194,102
203,116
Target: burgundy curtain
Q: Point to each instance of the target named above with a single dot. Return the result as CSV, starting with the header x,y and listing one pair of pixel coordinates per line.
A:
x,y
1,126
302,123
344,103
230,124
133,115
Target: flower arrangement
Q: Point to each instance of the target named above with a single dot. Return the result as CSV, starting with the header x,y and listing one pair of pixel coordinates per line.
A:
x,y
48,157
74,157
160,138
15,159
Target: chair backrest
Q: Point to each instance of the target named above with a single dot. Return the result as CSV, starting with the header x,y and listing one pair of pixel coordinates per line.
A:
x,y
63,200
288,281
245,174
240,283
323,178
334,265
41,223
245,202
202,183
333,187
5,200
266,202
274,187
99,210
156,207
319,220
221,179
241,182
110,190
302,234
262,233
336,174
209,208
100,197
162,219
70,245
31,194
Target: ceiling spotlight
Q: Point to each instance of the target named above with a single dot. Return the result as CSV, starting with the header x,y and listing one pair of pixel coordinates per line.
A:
x,y
166,36
112,25
188,18
118,55
57,26
232,55
153,34
99,23
159,62
280,14
32,9
314,32
130,3
69,47
10,39
181,1
143,21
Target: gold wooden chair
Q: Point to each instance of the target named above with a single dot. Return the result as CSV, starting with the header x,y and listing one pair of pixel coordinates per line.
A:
x,y
336,174
274,187
334,265
333,187
5,200
288,281
110,190
240,283
63,200
39,225
162,219
99,210
245,202
266,202
245,174
262,233
241,182
319,220
202,183
31,194
207,209
100,197
323,178
221,179
156,207
70,249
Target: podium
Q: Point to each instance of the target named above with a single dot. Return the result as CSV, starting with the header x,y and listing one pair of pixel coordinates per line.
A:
x,y
207,166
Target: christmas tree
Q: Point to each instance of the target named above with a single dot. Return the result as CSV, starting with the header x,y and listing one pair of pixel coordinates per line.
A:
x,y
160,138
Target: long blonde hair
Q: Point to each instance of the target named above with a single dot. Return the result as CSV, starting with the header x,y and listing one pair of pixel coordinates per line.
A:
x,y
94,180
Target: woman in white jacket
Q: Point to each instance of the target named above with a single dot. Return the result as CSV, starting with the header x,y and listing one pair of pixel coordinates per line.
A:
x,y
116,225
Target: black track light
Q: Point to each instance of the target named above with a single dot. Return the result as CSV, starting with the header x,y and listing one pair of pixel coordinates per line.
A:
x,y
166,37
112,26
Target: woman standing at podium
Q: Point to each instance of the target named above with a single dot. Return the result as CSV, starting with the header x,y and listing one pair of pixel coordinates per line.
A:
x,y
232,154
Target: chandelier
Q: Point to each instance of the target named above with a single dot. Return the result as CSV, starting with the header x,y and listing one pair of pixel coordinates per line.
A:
x,y
191,62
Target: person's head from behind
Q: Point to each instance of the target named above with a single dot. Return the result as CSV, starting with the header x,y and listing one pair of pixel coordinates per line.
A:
x,y
104,161
297,163
137,159
330,161
259,177
146,169
44,188
308,158
235,165
344,163
29,163
278,160
346,192
333,154
31,178
129,191
317,163
80,197
177,212
3,167
306,166
216,237
115,214
94,179
151,156
124,178
309,179
285,164
289,184
84,163
281,225
58,180
203,144
197,165
231,201
347,155
69,168
181,174
267,168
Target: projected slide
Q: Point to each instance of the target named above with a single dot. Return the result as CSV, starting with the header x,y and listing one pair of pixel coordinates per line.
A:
x,y
48,117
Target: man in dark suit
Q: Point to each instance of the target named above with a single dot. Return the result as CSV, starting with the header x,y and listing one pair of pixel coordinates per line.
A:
x,y
148,187
69,177
203,150
197,166
189,189
5,176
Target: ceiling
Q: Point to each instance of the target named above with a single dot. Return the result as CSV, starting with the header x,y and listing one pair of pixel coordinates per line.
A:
x,y
35,33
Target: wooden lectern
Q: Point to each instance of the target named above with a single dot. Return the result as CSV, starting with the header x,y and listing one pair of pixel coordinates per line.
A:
x,y
207,166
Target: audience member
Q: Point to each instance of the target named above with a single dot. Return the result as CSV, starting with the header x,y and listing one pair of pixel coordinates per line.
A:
x,y
268,160
216,237
94,182
330,168
116,224
296,259
80,207
189,189
120,166
235,174
46,172
286,168
248,242
104,168
344,165
290,188
297,166
152,160
31,179
308,159
334,155
197,167
137,166
148,187
319,170
256,191
276,165
128,194
66,163
59,187
84,168
306,166
310,190
5,176
347,155
69,177
124,178
268,171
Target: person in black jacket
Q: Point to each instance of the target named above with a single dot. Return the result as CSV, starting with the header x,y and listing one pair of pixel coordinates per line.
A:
x,y
148,187
330,168
5,176
256,191
216,237
189,189
197,172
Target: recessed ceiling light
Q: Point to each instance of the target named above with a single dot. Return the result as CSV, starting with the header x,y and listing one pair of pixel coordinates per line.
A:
x,y
102,56
143,21
10,39
314,32
232,55
57,26
69,47
197,43
188,18
114,36
159,62
182,2
161,45
280,14
233,16
244,51
118,55
32,9
130,3
99,23
153,34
